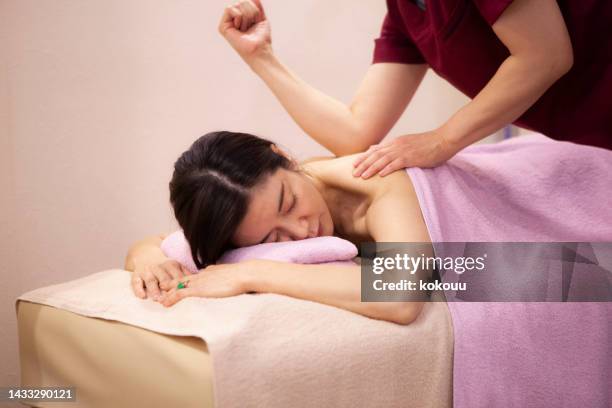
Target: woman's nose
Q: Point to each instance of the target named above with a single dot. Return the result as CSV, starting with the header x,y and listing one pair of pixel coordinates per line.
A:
x,y
299,230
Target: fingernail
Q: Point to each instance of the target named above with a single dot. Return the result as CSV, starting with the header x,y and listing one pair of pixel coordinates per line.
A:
x,y
155,298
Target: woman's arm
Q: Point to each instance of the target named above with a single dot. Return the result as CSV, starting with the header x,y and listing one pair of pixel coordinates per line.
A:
x,y
334,285
382,96
150,267
145,249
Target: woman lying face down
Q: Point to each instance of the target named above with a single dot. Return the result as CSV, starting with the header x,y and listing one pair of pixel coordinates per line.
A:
x,y
232,190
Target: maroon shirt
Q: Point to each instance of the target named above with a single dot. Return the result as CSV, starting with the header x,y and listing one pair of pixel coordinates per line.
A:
x,y
456,39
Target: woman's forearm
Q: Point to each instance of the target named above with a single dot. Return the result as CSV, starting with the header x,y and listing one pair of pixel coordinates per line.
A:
x,y
327,120
517,85
147,249
334,285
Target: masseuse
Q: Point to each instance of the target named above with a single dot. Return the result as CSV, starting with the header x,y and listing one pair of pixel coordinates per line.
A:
x,y
535,63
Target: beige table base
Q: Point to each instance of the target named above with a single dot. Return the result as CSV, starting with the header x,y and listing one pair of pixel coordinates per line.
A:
x,y
110,363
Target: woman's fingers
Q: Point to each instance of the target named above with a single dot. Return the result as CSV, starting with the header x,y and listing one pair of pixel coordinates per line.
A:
x,y
168,271
173,283
174,295
173,268
150,282
152,279
169,298
138,286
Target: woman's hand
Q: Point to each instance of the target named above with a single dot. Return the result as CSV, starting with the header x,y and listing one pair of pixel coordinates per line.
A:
x,y
429,149
150,274
245,27
219,280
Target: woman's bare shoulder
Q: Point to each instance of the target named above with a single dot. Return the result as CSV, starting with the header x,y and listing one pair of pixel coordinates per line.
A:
x,y
338,172
317,158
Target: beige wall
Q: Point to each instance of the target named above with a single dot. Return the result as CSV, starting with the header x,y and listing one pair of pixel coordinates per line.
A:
x,y
99,97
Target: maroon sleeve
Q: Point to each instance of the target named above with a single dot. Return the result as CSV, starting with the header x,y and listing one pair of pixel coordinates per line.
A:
x,y
394,46
491,9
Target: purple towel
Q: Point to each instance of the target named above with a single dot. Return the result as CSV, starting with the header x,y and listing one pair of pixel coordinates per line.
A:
x,y
332,250
526,189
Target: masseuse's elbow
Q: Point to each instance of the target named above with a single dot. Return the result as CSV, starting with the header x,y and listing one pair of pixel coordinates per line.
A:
x,y
563,62
555,63
357,142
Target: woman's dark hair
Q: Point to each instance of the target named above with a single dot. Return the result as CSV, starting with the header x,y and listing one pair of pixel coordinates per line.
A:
x,y
210,186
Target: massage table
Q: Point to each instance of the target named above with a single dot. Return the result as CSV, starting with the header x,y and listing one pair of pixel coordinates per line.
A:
x,y
110,363
115,364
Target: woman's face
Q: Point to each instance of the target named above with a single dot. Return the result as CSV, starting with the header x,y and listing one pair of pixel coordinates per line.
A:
x,y
286,206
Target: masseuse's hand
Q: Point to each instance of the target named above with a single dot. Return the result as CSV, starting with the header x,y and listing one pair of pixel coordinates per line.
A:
x,y
429,149
219,280
151,273
245,27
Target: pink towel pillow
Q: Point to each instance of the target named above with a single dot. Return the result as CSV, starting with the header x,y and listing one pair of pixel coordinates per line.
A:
x,y
306,251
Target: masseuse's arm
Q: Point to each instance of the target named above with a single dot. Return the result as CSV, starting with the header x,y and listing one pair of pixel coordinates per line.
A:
x,y
382,96
540,53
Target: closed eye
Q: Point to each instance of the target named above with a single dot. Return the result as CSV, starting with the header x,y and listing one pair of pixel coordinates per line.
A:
x,y
293,203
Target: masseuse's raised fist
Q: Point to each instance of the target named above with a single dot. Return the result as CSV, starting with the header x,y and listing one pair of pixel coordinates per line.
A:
x,y
245,27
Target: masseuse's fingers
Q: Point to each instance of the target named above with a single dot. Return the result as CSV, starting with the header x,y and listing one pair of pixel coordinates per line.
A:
x,y
396,164
246,20
371,158
227,20
377,166
364,155
252,8
237,15
260,9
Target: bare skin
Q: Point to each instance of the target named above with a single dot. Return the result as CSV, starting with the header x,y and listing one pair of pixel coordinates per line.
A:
x,y
321,193
534,32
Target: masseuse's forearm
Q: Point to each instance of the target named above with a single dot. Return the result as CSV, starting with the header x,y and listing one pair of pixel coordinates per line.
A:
x,y
327,120
334,285
517,85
